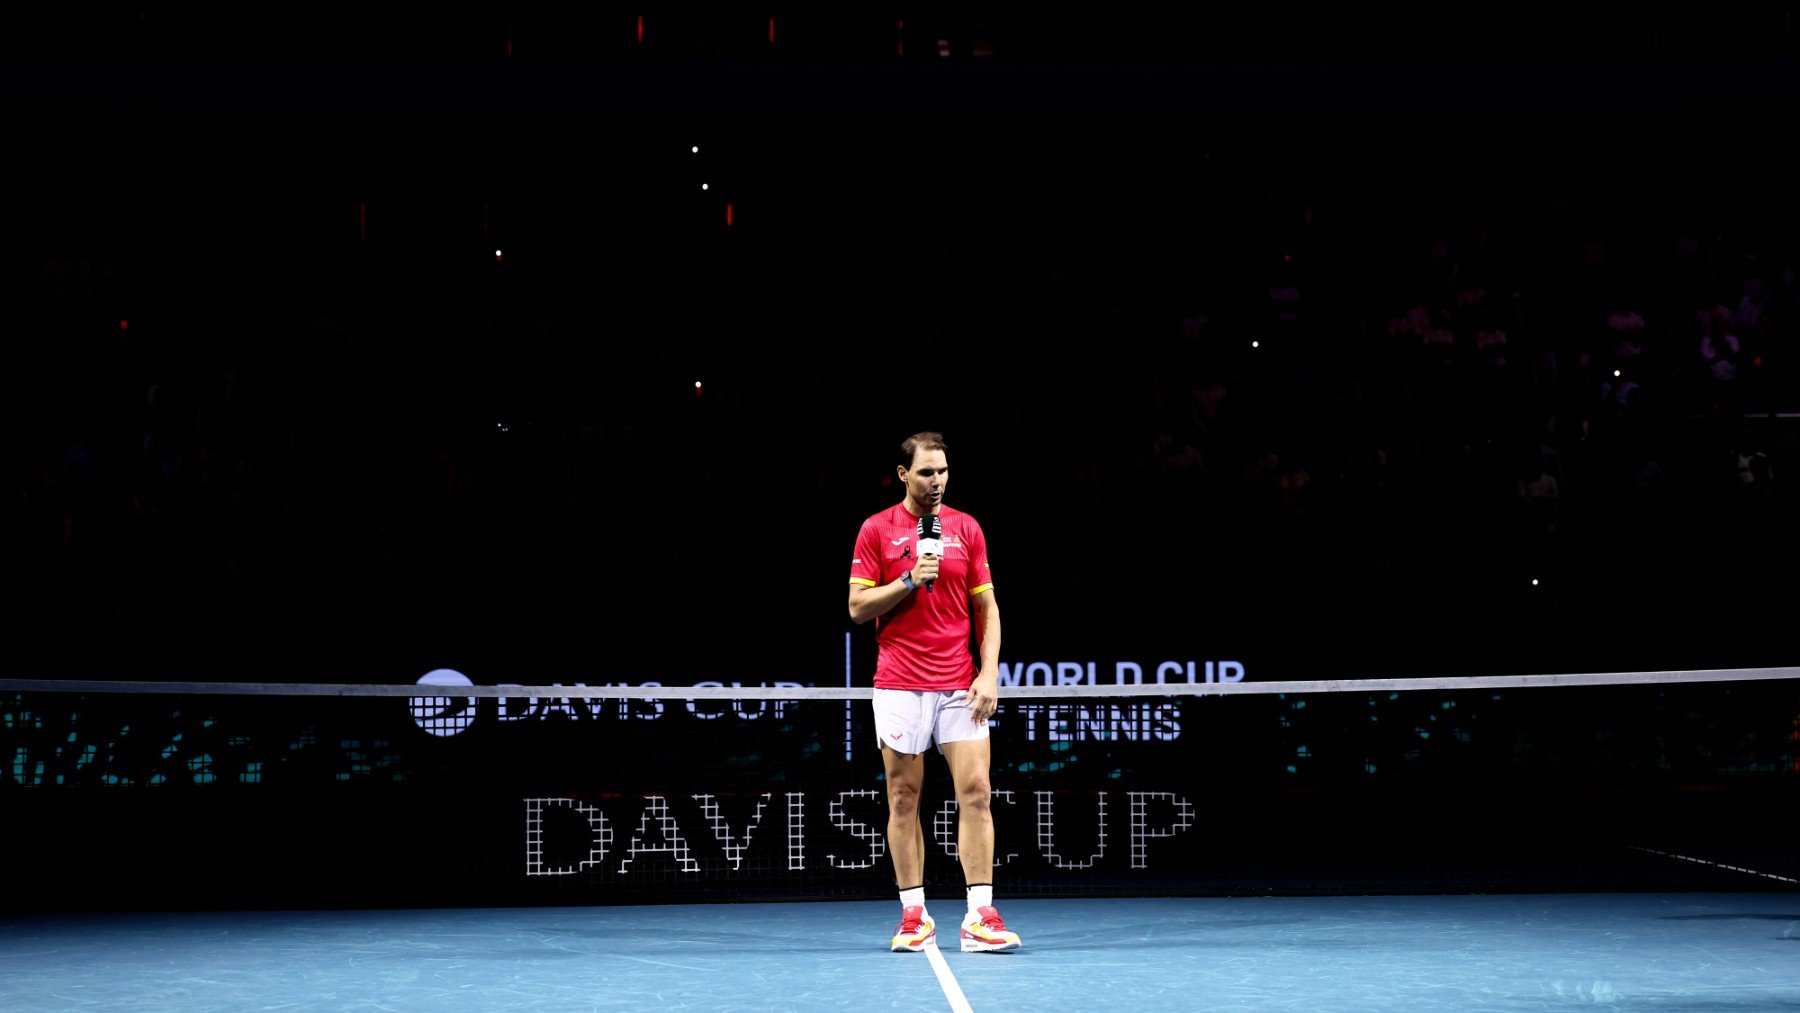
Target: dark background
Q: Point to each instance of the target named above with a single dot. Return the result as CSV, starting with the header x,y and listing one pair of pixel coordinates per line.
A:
x,y
274,409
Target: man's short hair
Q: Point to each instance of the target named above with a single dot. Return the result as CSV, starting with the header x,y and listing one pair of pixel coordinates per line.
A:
x,y
917,442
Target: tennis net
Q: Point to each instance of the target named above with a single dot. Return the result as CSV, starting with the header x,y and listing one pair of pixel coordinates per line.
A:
x,y
214,794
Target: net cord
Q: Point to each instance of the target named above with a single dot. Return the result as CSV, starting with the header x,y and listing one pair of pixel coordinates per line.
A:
x,y
1100,690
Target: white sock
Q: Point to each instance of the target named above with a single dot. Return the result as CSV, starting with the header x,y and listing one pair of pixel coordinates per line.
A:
x,y
914,897
980,897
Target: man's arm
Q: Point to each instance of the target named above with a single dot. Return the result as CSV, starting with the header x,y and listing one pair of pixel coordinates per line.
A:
x,y
984,692
868,602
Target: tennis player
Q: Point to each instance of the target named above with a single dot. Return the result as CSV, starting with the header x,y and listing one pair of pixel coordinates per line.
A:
x,y
929,688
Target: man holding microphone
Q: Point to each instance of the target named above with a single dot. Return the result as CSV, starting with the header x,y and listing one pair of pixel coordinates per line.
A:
x,y
920,570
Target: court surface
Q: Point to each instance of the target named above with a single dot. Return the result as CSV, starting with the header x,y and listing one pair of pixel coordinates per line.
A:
x,y
1669,951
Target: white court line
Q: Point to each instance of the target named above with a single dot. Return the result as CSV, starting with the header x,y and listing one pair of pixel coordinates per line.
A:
x,y
1716,865
952,991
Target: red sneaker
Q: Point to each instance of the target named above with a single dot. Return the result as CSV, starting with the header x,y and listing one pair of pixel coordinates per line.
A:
x,y
916,929
984,931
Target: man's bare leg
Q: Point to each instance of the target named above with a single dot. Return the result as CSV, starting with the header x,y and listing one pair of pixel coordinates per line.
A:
x,y
906,838
974,804
982,928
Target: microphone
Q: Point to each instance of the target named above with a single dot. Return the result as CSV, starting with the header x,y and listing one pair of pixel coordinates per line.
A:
x,y
931,535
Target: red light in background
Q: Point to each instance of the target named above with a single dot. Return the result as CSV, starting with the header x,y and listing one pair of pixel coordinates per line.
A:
x,y
640,24
900,40
771,31
124,325
728,215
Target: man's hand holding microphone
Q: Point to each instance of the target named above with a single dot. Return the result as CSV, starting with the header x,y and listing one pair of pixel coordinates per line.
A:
x,y
931,551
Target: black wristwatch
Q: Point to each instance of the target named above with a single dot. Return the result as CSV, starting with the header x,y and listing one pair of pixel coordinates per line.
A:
x,y
906,578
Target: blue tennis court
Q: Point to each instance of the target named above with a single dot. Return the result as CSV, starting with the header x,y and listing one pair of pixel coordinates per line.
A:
x,y
1715,951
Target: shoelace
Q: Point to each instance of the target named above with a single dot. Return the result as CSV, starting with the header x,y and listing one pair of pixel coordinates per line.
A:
x,y
991,919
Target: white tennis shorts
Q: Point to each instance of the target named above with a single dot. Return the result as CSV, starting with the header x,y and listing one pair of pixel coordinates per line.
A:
x,y
912,720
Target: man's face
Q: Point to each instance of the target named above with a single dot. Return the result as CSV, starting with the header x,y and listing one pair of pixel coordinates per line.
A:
x,y
926,479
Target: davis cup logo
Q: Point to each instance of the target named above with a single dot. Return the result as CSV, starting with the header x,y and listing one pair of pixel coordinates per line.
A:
x,y
443,716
